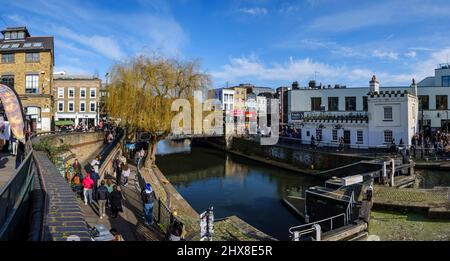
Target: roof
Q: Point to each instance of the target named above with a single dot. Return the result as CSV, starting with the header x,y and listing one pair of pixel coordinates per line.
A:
x,y
17,29
75,77
38,43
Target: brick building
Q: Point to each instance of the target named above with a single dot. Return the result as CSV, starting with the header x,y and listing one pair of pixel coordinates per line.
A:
x,y
77,99
27,66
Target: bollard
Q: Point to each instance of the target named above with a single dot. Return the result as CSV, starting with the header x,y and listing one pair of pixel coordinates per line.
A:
x,y
383,178
318,230
392,172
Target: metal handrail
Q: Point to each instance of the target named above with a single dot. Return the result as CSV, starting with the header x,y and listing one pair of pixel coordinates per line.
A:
x,y
316,222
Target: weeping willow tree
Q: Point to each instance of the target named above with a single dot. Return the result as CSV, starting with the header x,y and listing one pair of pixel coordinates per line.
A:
x,y
143,89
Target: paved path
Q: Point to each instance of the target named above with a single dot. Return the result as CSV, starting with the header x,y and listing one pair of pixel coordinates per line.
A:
x,y
7,168
130,222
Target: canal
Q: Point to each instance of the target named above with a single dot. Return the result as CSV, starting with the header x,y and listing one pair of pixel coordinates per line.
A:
x,y
233,185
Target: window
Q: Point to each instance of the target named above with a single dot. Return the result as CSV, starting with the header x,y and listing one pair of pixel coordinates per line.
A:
x,y
365,104
71,93
446,81
92,106
387,136
82,106
7,36
27,45
60,92
8,58
20,35
350,103
387,113
93,92
32,83
71,106
60,106
319,134
13,35
32,57
359,136
424,102
335,135
83,93
333,103
8,80
441,102
315,103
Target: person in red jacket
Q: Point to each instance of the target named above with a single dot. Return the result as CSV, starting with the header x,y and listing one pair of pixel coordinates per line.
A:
x,y
88,184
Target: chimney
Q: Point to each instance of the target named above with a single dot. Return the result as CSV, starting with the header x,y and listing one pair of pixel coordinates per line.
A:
x,y
374,85
414,86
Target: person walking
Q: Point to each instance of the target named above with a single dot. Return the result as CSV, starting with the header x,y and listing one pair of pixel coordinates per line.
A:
x,y
148,197
77,167
88,184
102,196
125,174
95,177
118,169
109,185
95,163
116,201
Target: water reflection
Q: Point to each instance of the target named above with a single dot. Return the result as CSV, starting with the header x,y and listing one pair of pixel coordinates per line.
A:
x,y
431,178
234,186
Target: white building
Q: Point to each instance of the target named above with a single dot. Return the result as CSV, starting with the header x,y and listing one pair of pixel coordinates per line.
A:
x,y
363,117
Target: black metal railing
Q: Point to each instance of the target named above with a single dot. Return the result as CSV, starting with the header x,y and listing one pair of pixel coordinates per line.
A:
x,y
14,201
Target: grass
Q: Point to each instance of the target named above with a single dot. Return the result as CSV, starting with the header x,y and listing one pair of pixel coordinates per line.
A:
x,y
406,226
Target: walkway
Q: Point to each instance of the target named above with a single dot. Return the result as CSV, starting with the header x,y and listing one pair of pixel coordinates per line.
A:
x,y
130,222
7,167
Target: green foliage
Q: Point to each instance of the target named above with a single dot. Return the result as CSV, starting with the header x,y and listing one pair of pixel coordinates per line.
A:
x,y
52,151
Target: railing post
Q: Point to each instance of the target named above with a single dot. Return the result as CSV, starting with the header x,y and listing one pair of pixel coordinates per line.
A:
x,y
159,210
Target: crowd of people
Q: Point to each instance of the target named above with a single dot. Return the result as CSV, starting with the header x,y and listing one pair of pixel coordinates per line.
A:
x,y
87,184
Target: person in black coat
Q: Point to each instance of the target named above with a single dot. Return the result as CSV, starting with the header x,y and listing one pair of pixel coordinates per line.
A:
x,y
116,201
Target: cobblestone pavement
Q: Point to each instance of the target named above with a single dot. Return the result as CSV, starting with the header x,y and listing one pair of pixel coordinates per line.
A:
x,y
130,222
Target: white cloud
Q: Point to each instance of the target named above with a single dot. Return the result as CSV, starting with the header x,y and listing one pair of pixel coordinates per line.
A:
x,y
69,69
254,11
103,45
246,69
381,54
411,54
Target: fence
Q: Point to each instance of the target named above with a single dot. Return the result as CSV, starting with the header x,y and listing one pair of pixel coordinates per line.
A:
x,y
14,200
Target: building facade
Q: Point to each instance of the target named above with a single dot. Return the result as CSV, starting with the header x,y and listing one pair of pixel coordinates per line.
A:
x,y
77,99
27,66
362,117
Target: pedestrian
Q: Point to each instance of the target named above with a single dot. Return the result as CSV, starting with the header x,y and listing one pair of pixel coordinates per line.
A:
x,y
88,184
76,166
176,228
95,163
109,186
118,170
116,234
125,174
95,177
14,145
102,196
116,201
148,198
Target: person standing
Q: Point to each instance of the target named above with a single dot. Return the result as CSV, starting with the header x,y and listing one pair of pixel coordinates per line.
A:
x,y
14,145
95,163
109,186
176,229
102,196
148,197
125,174
116,201
88,184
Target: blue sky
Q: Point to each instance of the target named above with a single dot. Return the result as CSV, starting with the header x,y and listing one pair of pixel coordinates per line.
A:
x,y
265,42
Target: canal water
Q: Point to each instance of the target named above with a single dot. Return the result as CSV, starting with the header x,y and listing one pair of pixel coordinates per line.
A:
x,y
233,185
248,189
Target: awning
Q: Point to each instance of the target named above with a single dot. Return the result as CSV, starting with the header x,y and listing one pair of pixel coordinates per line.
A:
x,y
64,123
